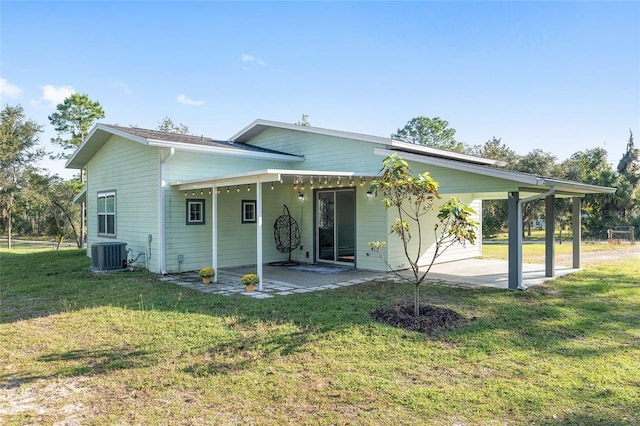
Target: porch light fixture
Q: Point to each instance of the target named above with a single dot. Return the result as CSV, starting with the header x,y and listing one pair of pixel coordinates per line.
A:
x,y
300,196
351,181
185,193
238,189
339,183
227,189
248,188
362,180
193,192
201,192
272,186
369,194
218,191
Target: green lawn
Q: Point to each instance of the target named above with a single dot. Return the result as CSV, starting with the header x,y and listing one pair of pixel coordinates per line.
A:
x,y
535,252
125,348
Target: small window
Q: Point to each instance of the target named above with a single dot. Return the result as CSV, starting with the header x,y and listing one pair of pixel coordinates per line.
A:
x,y
195,212
248,211
107,214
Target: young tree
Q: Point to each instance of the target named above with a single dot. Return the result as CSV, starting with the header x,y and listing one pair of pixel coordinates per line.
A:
x,y
19,152
412,197
63,217
73,119
167,125
433,132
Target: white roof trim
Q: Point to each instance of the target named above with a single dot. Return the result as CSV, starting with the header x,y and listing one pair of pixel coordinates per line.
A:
x,y
268,175
226,151
81,196
519,177
179,146
260,125
406,146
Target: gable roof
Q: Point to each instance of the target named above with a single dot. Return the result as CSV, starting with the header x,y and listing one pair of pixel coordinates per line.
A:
x,y
100,133
258,126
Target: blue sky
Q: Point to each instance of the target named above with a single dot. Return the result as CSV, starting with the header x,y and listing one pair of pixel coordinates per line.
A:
x,y
559,76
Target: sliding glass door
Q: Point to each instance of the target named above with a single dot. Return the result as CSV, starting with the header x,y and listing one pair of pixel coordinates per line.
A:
x,y
336,225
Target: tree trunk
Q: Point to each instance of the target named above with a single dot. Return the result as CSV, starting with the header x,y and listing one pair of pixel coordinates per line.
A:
x,y
416,302
9,220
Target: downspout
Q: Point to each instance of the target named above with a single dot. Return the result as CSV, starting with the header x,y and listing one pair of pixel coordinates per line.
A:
x,y
551,191
162,231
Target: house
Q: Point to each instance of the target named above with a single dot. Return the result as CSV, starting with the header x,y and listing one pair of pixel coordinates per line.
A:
x,y
182,202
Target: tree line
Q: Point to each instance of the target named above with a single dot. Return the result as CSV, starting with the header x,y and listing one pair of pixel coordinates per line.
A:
x,y
36,203
33,202
600,211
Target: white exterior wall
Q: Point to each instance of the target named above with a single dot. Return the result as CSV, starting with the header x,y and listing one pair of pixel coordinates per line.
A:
x,y
131,169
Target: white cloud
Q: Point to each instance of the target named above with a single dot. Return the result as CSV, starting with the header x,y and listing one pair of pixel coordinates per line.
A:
x,y
9,90
186,101
250,59
56,95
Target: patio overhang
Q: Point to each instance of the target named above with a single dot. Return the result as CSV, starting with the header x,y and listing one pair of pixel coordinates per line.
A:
x,y
264,176
257,178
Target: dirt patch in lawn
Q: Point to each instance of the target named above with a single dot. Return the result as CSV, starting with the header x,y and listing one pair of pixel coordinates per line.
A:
x,y
614,252
432,319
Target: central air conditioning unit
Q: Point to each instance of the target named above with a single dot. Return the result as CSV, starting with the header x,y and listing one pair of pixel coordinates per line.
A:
x,y
108,256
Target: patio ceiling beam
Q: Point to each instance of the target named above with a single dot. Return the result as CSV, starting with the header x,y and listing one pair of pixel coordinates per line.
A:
x,y
264,176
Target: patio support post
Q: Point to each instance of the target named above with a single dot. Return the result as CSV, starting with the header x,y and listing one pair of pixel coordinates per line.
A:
x,y
214,232
577,230
259,232
515,240
550,228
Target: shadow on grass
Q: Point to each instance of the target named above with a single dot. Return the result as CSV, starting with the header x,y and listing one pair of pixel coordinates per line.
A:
x,y
547,316
82,363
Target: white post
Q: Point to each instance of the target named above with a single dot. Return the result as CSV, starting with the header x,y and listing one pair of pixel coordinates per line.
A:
x,y
214,231
259,231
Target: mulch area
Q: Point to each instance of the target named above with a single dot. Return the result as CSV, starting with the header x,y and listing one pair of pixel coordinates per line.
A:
x,y
432,319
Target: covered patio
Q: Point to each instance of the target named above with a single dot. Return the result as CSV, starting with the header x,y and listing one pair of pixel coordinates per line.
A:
x,y
518,188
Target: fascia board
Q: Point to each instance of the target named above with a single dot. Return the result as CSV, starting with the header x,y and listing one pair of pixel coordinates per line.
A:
x,y
227,151
107,131
443,153
466,167
260,125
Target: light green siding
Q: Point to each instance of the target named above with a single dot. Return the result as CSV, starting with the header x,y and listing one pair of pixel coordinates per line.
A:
x,y
321,152
456,182
236,241
397,257
131,169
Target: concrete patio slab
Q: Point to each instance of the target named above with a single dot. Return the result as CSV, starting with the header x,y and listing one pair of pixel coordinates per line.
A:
x,y
281,281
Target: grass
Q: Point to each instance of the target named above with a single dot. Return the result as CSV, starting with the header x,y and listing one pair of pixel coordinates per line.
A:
x,y
536,235
535,252
125,348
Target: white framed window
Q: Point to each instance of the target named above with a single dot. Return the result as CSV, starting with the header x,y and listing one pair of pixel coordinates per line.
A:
x,y
195,212
248,211
107,213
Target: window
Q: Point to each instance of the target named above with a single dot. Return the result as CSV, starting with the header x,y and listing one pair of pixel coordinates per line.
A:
x,y
195,212
107,214
248,211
